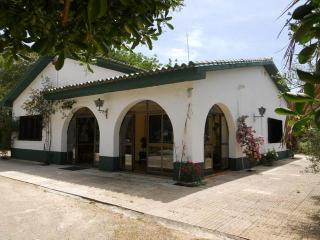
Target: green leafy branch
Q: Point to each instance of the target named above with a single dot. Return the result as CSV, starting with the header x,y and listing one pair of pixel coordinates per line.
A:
x,y
304,26
80,28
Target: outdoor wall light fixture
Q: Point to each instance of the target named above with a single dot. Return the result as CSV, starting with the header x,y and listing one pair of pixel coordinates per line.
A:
x,y
262,111
99,104
189,92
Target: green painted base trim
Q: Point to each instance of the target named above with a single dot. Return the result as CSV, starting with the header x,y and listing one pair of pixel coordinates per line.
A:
x,y
109,163
39,155
176,167
285,154
236,164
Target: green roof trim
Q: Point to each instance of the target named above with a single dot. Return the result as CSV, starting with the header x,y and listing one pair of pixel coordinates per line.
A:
x,y
26,80
119,84
178,73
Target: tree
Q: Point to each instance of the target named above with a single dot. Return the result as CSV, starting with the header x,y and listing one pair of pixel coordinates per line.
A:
x,y
291,81
304,106
304,26
136,59
80,28
309,144
11,74
5,130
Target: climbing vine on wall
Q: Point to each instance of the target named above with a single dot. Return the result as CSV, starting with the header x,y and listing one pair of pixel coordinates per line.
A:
x,y
38,105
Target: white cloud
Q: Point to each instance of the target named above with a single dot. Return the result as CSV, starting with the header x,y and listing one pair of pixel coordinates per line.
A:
x,y
225,44
177,53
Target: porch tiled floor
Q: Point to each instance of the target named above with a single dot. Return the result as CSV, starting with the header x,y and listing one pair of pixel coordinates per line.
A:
x,y
280,202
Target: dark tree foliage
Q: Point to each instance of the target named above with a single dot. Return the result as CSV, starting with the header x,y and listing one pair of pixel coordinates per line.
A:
x,y
11,74
80,28
5,129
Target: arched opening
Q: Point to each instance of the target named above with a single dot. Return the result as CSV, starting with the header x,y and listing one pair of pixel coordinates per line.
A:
x,y
216,141
83,139
146,140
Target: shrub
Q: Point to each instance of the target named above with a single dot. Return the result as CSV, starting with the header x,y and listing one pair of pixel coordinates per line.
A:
x,y
311,147
270,157
190,172
5,130
248,142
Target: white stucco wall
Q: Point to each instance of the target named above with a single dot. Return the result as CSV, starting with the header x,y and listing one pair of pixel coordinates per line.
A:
x,y
71,73
238,92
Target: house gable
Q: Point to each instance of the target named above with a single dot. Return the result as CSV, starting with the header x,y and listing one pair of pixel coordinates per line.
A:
x,y
106,67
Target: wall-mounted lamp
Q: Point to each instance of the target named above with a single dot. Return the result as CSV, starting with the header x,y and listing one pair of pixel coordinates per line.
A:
x,y
99,104
189,92
262,111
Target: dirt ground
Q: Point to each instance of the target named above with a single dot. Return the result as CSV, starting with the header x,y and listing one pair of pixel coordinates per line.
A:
x,y
31,212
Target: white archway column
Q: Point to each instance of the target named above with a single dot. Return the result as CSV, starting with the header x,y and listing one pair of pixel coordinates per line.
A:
x,y
202,104
60,125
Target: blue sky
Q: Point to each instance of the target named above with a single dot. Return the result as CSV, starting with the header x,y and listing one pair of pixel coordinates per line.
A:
x,y
224,29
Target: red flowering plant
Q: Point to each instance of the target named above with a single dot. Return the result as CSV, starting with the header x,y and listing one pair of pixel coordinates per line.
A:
x,y
190,172
248,142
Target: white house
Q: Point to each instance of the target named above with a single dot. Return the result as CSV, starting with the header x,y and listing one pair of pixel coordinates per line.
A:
x,y
149,120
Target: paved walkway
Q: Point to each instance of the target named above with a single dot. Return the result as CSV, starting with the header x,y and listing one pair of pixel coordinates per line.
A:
x,y
280,202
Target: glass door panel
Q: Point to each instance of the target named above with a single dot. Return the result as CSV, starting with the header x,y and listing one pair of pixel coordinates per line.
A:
x,y
167,130
85,139
216,141
167,157
154,157
155,123
146,139
208,144
127,143
224,143
160,145
208,157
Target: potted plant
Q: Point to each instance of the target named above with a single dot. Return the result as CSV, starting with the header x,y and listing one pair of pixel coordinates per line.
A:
x,y
190,174
270,157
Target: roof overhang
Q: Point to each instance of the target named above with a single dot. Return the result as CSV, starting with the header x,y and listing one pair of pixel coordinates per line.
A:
x,y
178,73
127,82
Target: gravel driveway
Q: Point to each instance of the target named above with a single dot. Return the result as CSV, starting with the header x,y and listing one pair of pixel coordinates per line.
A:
x,y
31,212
